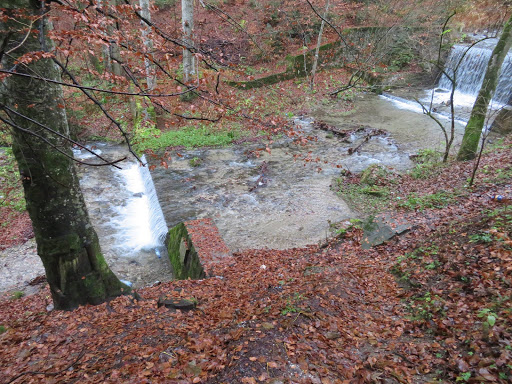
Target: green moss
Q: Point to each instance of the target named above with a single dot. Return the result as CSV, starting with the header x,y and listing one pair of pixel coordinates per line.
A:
x,y
189,137
11,190
182,254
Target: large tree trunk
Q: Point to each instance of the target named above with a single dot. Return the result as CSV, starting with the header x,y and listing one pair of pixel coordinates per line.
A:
x,y
66,241
187,21
476,121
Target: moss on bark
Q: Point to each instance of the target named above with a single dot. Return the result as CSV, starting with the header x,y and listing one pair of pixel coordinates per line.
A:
x,y
473,131
182,254
67,243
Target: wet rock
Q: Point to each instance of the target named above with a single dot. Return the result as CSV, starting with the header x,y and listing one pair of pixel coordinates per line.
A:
x,y
267,326
332,335
503,122
181,304
381,229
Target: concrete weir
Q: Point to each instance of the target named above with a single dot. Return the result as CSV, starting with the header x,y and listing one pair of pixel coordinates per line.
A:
x,y
196,249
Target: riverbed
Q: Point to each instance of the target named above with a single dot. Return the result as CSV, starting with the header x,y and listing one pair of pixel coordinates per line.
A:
x,y
277,199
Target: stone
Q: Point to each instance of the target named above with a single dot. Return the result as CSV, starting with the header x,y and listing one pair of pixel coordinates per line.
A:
x,y
502,124
267,326
381,229
332,335
195,248
176,303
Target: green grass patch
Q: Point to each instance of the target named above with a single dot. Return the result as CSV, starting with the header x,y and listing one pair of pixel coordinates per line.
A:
x,y
371,192
17,295
188,137
428,163
438,200
363,197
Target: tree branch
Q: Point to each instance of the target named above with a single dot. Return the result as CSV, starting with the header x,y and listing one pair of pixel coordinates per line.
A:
x,y
97,89
80,355
15,126
100,106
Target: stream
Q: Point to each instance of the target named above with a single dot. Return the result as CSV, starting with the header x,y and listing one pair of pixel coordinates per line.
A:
x,y
257,199
278,200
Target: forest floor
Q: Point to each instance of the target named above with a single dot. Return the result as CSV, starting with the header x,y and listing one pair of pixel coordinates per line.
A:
x,y
432,305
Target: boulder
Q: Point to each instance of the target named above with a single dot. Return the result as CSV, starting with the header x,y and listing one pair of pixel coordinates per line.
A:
x,y
502,125
381,229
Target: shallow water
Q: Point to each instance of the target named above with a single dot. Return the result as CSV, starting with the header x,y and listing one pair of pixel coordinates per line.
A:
x,y
278,200
119,207
257,199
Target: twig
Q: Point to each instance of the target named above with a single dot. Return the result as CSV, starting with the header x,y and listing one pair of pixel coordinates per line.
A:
x,y
229,20
80,355
15,126
7,109
96,89
100,106
197,118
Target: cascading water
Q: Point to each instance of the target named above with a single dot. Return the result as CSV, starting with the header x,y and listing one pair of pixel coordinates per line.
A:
x,y
142,218
125,212
471,72
469,79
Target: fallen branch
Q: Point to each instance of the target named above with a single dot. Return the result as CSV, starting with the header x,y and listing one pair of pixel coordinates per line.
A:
x,y
80,355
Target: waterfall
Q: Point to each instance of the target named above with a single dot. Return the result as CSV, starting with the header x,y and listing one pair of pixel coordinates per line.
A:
x,y
144,224
471,72
156,217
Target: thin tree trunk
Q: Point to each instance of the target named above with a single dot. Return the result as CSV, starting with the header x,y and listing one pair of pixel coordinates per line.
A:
x,y
476,121
112,52
318,45
187,22
148,44
66,241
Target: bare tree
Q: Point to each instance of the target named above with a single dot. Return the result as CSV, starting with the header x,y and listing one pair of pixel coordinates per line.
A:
x,y
187,22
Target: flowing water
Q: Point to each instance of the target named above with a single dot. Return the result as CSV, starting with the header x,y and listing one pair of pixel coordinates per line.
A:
x,y
125,212
278,200
469,67
471,72
257,199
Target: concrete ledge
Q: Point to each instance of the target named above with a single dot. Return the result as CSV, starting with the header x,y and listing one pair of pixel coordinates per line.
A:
x,y
196,249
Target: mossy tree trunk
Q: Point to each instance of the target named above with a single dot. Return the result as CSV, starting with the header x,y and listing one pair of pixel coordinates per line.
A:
x,y
476,121
66,241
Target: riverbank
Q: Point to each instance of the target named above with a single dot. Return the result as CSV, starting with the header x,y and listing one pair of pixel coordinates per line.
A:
x,y
428,306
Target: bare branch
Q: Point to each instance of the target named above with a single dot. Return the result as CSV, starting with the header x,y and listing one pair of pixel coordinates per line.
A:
x,y
46,373
98,89
9,110
17,127
224,16
197,118
100,106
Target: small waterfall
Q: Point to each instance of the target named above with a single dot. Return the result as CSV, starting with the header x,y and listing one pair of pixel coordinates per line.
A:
x,y
471,72
156,217
144,222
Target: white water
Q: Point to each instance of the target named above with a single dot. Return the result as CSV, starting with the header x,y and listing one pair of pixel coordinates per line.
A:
x,y
125,212
141,219
470,75
470,72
